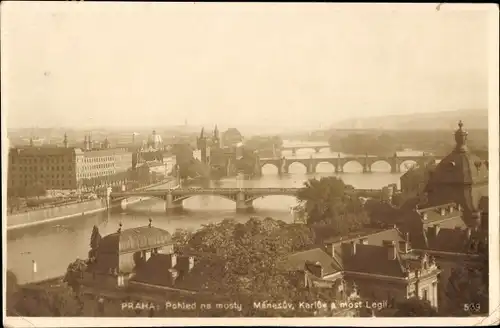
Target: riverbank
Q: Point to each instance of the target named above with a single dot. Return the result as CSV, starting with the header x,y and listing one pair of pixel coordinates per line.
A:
x,y
52,214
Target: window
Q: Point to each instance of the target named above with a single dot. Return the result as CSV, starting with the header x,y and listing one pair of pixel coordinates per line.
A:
x,y
425,295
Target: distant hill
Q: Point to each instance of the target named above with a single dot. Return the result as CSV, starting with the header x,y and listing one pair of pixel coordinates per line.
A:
x,y
473,119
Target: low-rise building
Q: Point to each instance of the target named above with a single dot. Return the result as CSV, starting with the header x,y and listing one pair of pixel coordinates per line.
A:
x,y
144,255
381,264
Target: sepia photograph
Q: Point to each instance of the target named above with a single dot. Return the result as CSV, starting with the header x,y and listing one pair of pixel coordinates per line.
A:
x,y
187,164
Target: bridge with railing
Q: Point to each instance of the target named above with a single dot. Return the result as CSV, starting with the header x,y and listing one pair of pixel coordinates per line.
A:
x,y
243,197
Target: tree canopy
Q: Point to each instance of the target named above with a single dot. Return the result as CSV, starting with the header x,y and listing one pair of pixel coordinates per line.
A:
x,y
331,208
95,239
415,307
244,259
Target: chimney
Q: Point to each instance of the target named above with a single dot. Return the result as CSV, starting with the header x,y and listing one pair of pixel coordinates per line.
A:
x,y
443,211
330,249
353,248
407,236
173,260
436,230
391,249
424,216
451,208
190,263
468,233
363,241
315,268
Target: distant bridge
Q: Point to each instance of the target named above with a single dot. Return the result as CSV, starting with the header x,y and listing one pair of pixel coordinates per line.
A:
x,y
317,147
243,197
338,162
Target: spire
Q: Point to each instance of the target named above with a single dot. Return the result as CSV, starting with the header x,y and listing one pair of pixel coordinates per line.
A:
x,y
31,141
201,134
216,131
106,142
65,140
461,138
89,142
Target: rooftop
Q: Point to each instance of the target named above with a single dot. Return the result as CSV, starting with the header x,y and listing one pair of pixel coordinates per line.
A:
x,y
460,166
436,214
372,236
135,239
297,260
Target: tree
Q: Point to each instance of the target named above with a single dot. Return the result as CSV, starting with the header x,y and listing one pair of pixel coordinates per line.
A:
x,y
95,239
415,307
48,303
74,274
12,293
467,285
331,208
247,257
181,238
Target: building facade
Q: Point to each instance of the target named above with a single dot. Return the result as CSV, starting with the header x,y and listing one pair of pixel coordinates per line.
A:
x,y
63,168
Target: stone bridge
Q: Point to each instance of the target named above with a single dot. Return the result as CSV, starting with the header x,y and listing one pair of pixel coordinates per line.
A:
x,y
243,197
338,162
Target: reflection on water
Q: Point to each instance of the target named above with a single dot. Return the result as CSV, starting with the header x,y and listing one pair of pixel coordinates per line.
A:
x,y
54,245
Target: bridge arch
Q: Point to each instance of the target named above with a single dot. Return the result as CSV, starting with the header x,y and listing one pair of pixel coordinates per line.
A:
x,y
357,164
268,166
290,162
324,166
382,165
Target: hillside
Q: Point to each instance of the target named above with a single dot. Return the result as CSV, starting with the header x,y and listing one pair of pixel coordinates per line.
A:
x,y
473,119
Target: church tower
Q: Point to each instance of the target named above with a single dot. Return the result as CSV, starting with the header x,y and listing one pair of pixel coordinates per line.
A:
x,y
201,143
215,138
65,142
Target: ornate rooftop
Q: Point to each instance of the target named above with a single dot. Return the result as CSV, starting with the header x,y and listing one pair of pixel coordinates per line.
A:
x,y
460,166
135,239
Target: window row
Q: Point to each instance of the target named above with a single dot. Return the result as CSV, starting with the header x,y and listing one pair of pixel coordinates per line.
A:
x,y
42,168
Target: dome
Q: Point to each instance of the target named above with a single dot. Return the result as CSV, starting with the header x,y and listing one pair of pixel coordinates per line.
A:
x,y
461,177
460,166
133,240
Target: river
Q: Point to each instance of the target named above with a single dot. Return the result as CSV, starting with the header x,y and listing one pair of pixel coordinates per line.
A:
x,y
54,245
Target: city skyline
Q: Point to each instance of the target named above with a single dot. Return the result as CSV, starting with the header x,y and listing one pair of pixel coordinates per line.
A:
x,y
287,65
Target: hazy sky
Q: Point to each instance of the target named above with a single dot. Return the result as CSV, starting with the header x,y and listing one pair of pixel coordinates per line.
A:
x,y
157,64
